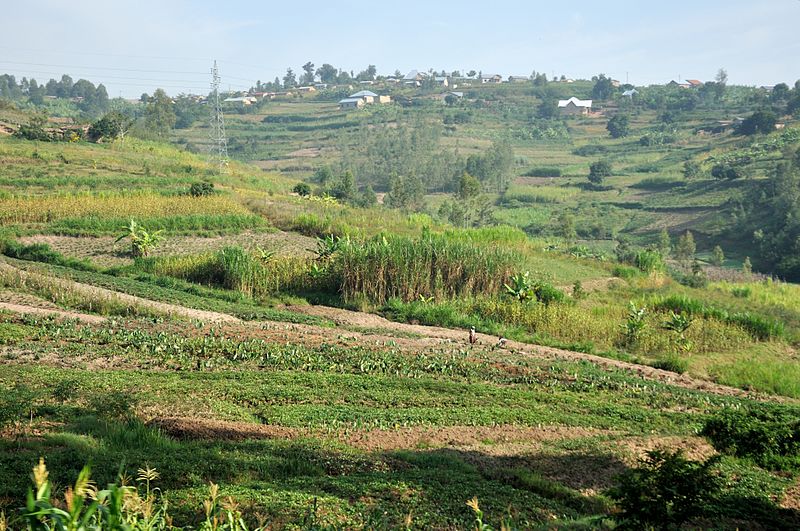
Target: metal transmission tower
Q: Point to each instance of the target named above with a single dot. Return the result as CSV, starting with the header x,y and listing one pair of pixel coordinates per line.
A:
x,y
218,150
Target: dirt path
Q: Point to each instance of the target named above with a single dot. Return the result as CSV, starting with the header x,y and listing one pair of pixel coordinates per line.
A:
x,y
47,312
365,320
103,293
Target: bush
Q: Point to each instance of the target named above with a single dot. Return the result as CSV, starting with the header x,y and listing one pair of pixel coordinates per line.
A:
x,y
666,490
671,363
302,189
590,150
543,172
201,189
769,435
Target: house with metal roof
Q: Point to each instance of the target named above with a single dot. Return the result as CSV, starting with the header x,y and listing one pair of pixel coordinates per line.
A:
x,y
574,106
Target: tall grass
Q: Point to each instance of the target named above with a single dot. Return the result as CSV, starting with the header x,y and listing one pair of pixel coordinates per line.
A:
x,y
432,266
758,326
235,269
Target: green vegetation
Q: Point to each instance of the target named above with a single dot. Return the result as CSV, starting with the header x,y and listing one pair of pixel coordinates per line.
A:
x,y
315,396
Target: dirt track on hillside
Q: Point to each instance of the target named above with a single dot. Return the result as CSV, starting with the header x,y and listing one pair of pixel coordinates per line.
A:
x,y
124,298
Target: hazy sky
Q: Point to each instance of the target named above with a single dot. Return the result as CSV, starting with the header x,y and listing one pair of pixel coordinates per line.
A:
x,y
136,46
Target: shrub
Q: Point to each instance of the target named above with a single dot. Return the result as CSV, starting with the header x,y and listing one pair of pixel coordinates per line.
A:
x,y
201,189
590,150
302,189
770,435
543,172
671,363
666,490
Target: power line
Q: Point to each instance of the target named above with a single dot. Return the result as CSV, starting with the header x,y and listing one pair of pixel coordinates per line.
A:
x,y
104,68
68,52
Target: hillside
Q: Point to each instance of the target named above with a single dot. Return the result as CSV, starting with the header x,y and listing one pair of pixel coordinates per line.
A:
x,y
310,355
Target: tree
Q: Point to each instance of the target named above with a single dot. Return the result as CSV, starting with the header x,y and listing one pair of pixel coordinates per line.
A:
x,y
344,188
289,80
686,248
368,197
603,88
405,192
618,126
598,171
691,169
762,121
308,76
664,243
110,127
159,116
722,77
747,267
327,73
717,256
472,73
780,93
64,88
468,186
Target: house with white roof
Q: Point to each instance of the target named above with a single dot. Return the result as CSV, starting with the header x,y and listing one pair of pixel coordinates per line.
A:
x,y
366,95
574,106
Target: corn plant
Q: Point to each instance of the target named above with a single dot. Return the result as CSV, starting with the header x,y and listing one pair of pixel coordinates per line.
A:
x,y
634,325
142,241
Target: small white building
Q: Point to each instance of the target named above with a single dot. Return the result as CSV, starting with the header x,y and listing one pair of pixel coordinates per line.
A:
x,y
574,106
351,103
497,78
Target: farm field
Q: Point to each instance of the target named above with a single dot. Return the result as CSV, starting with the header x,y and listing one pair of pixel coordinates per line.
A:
x,y
234,348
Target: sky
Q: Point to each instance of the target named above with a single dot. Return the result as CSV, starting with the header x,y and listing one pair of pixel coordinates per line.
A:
x,y
135,46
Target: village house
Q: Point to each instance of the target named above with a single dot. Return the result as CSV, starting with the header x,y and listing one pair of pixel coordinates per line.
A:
x,y
497,78
574,106
351,103
244,100
443,81
630,93
366,95
518,79
413,78
696,83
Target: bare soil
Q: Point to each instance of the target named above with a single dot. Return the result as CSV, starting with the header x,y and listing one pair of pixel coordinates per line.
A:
x,y
33,310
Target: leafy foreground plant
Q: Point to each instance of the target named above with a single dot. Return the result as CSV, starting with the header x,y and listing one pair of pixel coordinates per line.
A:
x,y
666,491
118,507
142,241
